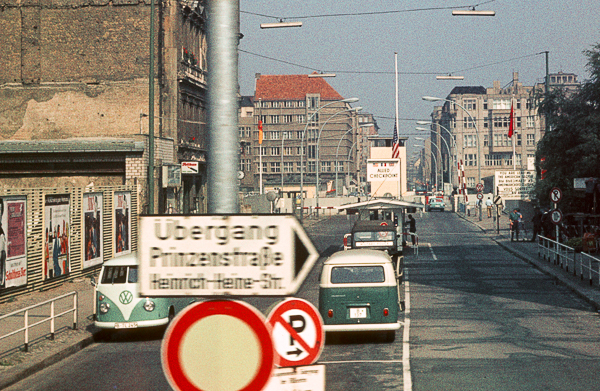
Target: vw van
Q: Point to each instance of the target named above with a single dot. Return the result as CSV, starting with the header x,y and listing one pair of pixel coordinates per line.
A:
x,y
359,292
374,234
118,304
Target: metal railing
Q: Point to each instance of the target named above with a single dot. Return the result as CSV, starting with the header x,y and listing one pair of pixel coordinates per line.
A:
x,y
51,318
580,263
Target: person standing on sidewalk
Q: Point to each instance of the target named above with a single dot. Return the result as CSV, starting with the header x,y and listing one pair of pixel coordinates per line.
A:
x,y
537,224
412,228
489,204
515,217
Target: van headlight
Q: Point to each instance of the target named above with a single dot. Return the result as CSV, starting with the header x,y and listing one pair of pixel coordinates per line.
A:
x,y
104,307
149,305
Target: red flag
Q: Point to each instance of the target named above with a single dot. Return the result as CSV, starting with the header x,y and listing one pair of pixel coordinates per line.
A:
x,y
511,120
260,132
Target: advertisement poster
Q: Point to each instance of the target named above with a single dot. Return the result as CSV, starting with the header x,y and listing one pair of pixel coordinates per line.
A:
x,y
56,235
122,224
92,224
13,241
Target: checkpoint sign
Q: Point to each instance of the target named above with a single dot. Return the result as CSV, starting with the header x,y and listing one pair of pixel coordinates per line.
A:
x,y
218,345
297,332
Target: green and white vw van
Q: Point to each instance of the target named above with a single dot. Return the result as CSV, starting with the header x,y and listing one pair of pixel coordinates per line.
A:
x,y
118,304
359,292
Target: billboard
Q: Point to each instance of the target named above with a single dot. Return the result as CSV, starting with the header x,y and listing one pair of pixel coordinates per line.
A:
x,y
13,241
93,229
57,214
515,185
122,205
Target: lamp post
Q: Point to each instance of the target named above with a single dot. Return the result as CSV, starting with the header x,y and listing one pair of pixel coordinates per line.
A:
x,y
366,125
436,163
434,99
347,100
447,147
354,109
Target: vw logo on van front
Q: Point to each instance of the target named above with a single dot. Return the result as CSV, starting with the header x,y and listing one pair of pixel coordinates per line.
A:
x,y
125,297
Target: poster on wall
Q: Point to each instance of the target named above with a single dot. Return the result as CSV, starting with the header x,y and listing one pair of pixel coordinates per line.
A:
x,y
122,223
13,241
56,236
92,223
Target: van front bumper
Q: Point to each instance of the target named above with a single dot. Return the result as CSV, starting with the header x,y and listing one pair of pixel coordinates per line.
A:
x,y
362,327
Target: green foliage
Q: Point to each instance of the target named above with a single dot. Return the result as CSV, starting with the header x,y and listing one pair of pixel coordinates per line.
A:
x,y
572,147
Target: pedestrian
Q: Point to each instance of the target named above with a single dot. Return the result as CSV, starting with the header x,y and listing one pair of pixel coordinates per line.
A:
x,y
515,217
537,223
489,204
412,228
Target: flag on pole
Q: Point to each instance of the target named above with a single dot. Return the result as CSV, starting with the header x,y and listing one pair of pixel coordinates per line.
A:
x,y
260,132
511,120
395,144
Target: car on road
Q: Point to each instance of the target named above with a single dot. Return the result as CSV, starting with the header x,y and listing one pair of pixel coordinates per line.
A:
x,y
358,291
118,304
436,203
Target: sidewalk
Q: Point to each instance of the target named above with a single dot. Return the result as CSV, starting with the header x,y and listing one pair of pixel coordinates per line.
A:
x,y
528,251
16,365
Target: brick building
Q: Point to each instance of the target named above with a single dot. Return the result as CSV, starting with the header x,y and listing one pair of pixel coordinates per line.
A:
x,y
74,96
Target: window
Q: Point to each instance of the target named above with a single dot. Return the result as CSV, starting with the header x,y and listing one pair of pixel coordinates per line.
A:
x,y
519,142
485,105
301,103
262,151
244,131
501,122
264,167
300,118
528,104
276,104
486,123
501,104
114,275
518,122
311,166
288,151
274,135
530,121
508,161
502,140
357,274
288,166
518,103
470,159
339,166
274,119
469,140
245,165
311,134
518,159
275,151
288,118
486,141
530,139
470,104
312,151
325,166
263,118
471,181
275,167
312,102
288,103
468,123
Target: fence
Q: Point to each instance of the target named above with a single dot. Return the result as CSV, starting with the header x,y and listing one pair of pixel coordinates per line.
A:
x,y
51,318
582,264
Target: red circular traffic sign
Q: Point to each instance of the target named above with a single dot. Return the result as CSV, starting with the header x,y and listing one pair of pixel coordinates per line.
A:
x,y
218,344
297,332
556,216
479,187
555,194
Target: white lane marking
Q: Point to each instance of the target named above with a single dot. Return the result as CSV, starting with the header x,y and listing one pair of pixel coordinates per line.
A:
x,y
360,361
432,253
406,375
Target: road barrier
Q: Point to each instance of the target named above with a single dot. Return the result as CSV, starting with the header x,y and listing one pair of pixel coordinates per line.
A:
x,y
27,327
580,263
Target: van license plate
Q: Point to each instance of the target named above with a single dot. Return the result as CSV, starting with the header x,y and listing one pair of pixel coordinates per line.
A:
x,y
128,325
358,313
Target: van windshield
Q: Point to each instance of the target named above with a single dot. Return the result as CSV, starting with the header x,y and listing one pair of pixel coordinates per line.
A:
x,y
374,236
357,274
119,275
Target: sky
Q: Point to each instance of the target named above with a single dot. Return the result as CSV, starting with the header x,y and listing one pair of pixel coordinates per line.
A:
x,y
357,39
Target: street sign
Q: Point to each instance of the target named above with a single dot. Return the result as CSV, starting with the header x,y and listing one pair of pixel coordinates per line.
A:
x,y
297,332
498,200
479,196
218,345
479,187
556,216
240,255
555,194
309,378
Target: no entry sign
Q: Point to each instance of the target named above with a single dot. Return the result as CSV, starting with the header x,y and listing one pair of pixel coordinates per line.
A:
x,y
218,345
297,331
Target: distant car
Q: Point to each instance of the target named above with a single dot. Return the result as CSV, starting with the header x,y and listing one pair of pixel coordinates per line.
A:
x,y
359,292
436,203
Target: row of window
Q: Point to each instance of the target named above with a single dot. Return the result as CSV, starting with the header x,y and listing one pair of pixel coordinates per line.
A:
x,y
276,104
311,134
499,140
497,104
275,167
495,159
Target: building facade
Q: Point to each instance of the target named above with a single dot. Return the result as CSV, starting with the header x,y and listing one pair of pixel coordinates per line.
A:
x,y
294,124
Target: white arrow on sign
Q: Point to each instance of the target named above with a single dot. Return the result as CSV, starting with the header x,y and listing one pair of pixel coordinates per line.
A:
x,y
240,255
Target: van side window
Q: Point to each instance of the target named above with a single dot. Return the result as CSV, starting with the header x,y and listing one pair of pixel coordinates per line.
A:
x,y
114,275
132,277
357,274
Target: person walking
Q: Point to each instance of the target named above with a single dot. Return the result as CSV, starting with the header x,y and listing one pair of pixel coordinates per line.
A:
x,y
515,218
412,228
537,223
488,204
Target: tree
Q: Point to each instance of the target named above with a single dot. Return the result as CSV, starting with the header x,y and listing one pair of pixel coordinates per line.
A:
x,y
571,148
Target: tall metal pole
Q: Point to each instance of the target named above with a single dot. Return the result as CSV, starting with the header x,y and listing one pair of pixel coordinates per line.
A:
x,y
151,115
223,154
547,85
396,124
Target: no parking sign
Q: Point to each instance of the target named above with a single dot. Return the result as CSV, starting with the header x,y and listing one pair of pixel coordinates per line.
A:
x,y
297,332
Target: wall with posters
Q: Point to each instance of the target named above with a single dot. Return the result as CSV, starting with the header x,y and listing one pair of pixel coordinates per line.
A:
x,y
49,236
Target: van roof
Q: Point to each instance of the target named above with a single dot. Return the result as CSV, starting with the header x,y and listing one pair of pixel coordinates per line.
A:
x,y
123,260
356,256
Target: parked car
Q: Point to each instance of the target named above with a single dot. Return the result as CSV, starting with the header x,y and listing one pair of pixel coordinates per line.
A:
x,y
436,203
118,304
359,292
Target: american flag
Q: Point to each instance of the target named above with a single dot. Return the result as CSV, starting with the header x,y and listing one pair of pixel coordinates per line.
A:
x,y
395,144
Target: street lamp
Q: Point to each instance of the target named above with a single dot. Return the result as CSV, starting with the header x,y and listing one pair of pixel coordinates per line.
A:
x,y
365,125
436,163
280,24
447,147
347,100
434,99
354,109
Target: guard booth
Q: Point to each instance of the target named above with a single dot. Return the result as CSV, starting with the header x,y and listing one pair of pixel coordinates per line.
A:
x,y
384,209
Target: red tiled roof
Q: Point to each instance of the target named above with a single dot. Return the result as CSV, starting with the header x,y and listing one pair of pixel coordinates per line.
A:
x,y
293,87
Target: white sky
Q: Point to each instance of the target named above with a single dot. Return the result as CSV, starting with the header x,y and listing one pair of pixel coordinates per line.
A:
x,y
430,41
